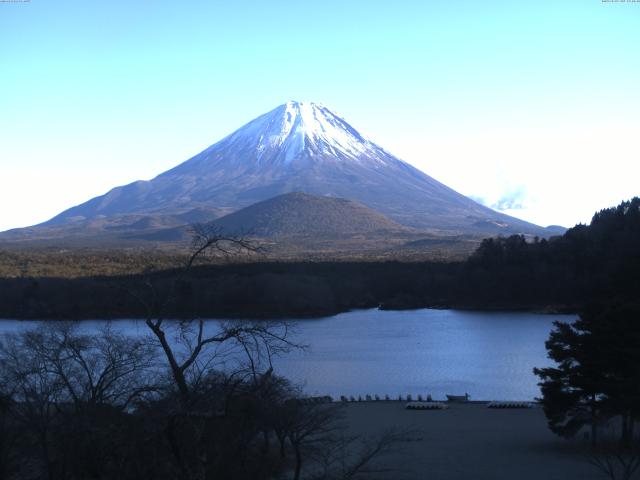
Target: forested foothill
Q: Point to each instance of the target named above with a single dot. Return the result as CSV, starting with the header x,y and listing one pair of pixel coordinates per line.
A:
x,y
565,273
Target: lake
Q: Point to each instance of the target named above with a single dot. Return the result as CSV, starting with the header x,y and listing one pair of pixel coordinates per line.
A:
x,y
486,354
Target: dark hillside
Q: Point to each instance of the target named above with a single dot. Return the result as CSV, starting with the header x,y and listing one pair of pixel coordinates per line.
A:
x,y
599,261
301,214
588,262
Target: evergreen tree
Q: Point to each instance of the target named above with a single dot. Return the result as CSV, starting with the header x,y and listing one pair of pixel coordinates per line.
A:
x,y
597,376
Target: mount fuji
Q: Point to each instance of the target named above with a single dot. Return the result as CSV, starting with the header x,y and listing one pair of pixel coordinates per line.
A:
x,y
296,147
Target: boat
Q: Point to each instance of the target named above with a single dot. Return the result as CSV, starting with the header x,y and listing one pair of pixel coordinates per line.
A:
x,y
458,398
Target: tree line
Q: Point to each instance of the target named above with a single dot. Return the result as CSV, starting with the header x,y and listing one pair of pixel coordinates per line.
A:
x,y
564,273
594,386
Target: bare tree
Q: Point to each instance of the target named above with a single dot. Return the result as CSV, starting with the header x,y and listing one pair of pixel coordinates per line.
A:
x,y
195,347
310,427
616,464
195,350
63,382
209,239
35,391
351,457
615,459
320,440
108,368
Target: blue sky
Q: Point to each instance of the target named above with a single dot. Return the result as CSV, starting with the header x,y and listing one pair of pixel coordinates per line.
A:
x,y
530,106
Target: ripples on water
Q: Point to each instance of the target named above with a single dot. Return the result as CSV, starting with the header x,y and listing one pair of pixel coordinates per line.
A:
x,y
489,355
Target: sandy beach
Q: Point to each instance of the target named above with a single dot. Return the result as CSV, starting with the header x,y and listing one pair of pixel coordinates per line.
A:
x,y
471,441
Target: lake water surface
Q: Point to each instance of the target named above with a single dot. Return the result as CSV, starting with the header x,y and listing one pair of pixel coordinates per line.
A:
x,y
489,355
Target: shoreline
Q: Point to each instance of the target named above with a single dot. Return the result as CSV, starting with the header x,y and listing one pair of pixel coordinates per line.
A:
x,y
545,310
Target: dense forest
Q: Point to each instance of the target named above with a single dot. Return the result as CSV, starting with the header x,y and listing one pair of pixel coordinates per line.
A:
x,y
587,263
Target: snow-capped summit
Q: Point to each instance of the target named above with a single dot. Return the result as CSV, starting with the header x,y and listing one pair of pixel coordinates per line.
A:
x,y
296,135
294,129
298,147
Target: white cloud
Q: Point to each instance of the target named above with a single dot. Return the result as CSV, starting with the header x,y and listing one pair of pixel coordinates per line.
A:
x,y
543,175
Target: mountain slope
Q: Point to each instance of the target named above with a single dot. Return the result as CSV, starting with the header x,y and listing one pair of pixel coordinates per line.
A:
x,y
300,147
301,214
